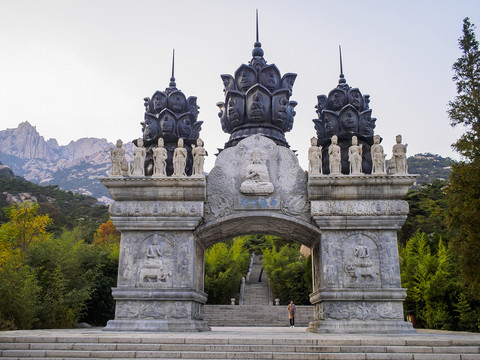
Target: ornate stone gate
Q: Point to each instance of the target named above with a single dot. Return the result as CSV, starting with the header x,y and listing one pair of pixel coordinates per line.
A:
x,y
347,209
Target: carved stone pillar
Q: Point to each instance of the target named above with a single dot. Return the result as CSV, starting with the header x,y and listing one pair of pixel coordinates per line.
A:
x,y
356,276
161,267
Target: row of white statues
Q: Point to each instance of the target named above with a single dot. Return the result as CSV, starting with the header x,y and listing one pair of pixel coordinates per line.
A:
x,y
397,164
120,166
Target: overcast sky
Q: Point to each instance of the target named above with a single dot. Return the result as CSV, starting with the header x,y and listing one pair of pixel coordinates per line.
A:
x,y
81,68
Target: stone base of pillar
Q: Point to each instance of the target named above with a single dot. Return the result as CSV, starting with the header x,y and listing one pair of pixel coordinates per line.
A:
x,y
162,310
157,325
361,327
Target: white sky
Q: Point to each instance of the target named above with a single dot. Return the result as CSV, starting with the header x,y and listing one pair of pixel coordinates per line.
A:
x,y
81,68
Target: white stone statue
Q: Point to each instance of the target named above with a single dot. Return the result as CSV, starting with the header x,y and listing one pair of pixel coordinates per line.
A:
x,y
119,162
335,157
160,160
198,153
257,178
314,158
355,157
139,154
399,156
378,156
179,159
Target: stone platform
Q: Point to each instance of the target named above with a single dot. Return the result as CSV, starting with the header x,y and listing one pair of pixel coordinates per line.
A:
x,y
236,343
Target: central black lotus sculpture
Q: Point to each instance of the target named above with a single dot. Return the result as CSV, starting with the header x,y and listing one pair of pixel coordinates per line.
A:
x,y
257,101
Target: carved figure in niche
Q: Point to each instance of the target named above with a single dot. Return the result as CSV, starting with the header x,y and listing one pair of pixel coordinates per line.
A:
x,y
184,127
314,158
355,98
334,154
337,99
153,250
160,160
331,123
256,109
361,266
228,82
288,80
279,107
167,122
235,108
119,162
348,120
245,77
400,156
290,115
139,154
378,156
177,102
158,102
321,104
270,77
257,178
193,108
179,159
151,129
198,153
355,157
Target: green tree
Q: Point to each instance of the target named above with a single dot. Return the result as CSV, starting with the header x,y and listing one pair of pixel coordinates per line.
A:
x,y
225,265
464,188
289,273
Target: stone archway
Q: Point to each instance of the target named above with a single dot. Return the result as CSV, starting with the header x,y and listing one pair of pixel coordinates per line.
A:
x,y
349,222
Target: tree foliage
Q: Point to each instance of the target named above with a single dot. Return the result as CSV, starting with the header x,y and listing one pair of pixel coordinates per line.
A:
x,y
289,273
464,188
432,283
52,280
225,265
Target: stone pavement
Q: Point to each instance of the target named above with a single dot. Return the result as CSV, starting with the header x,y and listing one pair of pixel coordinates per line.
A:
x,y
236,343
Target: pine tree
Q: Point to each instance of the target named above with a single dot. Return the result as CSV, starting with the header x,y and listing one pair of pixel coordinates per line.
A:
x,y
464,190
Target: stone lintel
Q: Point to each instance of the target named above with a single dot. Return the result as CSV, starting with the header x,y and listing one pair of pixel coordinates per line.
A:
x,y
359,187
383,294
172,294
385,222
157,189
155,222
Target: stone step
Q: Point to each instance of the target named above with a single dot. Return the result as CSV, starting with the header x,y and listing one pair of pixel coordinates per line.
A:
x,y
255,315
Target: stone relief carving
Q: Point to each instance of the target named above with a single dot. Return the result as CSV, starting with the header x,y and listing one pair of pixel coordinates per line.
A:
x,y
158,263
360,260
279,179
363,310
331,259
257,178
359,207
154,208
157,310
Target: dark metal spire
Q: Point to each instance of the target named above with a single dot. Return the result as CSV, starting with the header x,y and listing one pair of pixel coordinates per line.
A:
x,y
342,78
172,79
257,51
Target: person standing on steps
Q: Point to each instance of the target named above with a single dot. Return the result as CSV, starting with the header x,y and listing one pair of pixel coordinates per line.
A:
x,y
291,313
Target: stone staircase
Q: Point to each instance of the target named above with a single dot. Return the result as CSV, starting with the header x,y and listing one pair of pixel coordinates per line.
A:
x,y
257,289
255,315
234,344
